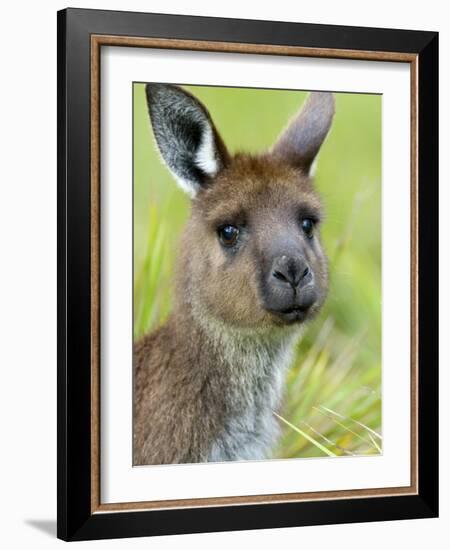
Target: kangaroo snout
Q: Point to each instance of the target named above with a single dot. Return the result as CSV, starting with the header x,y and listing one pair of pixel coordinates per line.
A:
x,y
290,291
291,271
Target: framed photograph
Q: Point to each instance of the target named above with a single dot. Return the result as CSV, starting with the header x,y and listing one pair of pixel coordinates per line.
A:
x,y
247,257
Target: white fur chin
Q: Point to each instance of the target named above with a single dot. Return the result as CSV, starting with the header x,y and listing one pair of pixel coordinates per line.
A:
x,y
205,158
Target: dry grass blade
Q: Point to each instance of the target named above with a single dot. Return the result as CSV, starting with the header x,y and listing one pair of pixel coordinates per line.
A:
x,y
306,436
373,432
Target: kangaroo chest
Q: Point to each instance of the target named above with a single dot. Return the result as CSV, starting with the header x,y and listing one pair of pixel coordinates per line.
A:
x,y
250,428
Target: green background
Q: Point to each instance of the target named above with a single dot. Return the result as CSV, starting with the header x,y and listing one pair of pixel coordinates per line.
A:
x,y
333,392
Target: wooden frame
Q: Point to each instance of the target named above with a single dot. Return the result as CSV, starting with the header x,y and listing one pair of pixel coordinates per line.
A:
x,y
81,34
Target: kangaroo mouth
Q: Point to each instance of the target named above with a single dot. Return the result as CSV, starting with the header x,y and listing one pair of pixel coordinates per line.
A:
x,y
292,314
294,309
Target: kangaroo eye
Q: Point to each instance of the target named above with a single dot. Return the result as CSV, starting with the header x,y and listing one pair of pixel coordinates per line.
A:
x,y
228,235
308,227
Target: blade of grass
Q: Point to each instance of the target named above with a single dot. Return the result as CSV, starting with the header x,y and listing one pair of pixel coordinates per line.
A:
x,y
378,448
373,432
306,436
325,438
346,428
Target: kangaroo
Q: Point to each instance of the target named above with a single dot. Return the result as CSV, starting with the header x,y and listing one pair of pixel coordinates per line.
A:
x,y
251,270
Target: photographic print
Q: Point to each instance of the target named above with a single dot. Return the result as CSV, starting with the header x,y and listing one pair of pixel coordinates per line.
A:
x,y
257,274
247,267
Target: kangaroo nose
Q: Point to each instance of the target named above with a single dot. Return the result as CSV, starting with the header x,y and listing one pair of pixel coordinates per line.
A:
x,y
291,271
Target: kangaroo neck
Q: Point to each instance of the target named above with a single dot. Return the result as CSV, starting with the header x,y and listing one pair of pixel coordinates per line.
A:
x,y
242,350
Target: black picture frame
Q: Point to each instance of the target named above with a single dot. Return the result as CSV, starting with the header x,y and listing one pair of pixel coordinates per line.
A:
x,y
76,521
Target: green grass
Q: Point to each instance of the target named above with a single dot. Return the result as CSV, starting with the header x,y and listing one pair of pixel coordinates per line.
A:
x,y
333,390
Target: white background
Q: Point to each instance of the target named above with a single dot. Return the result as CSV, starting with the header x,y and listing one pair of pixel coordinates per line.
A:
x,y
28,275
119,481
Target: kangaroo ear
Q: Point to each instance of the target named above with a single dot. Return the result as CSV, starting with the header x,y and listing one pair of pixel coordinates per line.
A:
x,y
302,139
186,137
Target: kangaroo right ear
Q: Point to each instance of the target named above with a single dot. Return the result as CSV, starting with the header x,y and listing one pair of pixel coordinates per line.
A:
x,y
186,137
301,141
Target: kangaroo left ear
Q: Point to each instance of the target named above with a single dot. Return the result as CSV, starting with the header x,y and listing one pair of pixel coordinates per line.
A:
x,y
186,136
302,139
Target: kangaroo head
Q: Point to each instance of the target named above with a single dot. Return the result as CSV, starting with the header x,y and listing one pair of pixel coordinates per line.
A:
x,y
251,255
